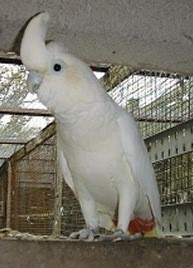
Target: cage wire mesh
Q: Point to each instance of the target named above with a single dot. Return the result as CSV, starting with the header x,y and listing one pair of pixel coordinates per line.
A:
x,y
158,102
14,96
171,152
33,190
175,179
33,179
161,102
71,216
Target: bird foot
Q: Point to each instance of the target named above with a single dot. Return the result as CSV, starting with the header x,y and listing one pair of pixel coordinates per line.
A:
x,y
86,233
118,235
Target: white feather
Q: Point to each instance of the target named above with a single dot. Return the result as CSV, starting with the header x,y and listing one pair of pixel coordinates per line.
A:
x,y
102,155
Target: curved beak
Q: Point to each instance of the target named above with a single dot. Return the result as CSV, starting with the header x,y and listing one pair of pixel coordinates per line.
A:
x,y
34,81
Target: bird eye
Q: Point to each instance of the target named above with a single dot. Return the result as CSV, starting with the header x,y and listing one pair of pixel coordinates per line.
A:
x,y
57,67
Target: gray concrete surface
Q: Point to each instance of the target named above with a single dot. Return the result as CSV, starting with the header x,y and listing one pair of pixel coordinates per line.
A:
x,y
143,33
55,254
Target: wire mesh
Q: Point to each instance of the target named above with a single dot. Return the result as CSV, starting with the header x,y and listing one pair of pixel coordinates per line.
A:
x,y
157,101
33,179
14,95
175,179
71,215
172,154
34,190
160,101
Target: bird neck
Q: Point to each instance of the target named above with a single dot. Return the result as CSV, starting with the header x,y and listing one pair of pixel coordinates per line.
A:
x,y
81,115
87,125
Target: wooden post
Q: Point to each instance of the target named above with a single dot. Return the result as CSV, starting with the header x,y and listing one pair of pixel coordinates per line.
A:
x,y
58,200
9,189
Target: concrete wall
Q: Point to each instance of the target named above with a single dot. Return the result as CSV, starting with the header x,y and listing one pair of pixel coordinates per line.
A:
x,y
148,253
142,34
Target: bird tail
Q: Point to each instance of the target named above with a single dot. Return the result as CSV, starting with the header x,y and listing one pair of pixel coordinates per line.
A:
x,y
149,228
138,225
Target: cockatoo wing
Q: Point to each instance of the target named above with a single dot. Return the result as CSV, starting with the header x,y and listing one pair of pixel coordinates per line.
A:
x,y
64,166
138,158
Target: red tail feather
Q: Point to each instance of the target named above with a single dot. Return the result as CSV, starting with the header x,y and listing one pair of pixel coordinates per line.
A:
x,y
140,226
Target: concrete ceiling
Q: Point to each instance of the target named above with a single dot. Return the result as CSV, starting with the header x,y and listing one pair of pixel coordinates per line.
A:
x,y
146,34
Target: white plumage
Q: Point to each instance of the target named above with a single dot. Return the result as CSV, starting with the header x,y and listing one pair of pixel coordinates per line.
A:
x,y
102,155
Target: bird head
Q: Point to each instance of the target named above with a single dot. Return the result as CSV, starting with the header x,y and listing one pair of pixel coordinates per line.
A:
x,y
60,80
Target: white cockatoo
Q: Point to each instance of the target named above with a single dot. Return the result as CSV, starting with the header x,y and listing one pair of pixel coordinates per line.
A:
x,y
102,155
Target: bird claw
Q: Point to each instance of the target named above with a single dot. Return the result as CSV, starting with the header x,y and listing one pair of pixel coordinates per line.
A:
x,y
118,235
89,234
86,233
124,237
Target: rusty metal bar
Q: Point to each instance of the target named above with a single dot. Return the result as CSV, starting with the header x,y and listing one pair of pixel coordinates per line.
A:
x,y
9,60
43,135
13,141
24,111
14,59
158,120
115,75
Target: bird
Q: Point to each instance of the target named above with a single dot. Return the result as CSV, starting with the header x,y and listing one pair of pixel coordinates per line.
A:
x,y
101,152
